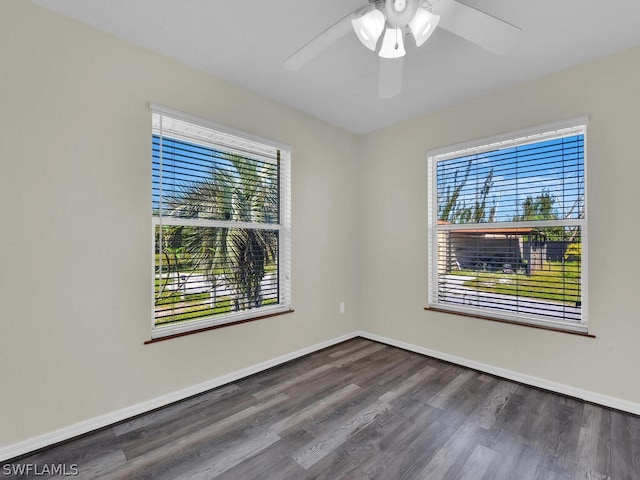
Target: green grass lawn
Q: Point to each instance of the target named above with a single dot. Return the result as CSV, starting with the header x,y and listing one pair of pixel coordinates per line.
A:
x,y
191,308
556,281
173,305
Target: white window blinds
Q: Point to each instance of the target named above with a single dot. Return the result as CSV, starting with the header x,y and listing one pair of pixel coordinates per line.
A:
x,y
221,206
508,228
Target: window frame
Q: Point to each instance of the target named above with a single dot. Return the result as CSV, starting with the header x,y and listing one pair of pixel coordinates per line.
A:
x,y
534,134
230,139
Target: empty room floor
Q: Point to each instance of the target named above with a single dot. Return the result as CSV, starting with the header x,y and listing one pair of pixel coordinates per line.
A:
x,y
361,410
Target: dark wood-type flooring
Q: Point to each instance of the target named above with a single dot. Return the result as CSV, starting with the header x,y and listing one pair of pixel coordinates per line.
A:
x,y
361,410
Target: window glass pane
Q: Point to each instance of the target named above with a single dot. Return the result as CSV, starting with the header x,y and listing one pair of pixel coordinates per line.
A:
x,y
520,271
200,182
534,182
221,225
494,255
205,271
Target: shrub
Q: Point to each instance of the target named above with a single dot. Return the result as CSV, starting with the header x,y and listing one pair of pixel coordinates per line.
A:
x,y
573,252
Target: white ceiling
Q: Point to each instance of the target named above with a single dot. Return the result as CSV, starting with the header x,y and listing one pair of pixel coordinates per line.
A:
x,y
245,42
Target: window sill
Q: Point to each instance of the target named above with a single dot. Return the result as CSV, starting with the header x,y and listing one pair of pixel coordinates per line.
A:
x,y
521,324
215,327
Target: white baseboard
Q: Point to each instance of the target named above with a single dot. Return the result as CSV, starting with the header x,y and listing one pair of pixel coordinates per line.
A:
x,y
36,443
586,395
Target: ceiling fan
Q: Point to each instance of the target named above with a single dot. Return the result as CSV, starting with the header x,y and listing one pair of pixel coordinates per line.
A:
x,y
399,18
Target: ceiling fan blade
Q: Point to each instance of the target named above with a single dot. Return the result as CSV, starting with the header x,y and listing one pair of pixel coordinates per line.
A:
x,y
486,31
390,79
319,44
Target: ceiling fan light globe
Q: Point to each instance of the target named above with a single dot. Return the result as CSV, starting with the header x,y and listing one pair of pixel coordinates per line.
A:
x,y
423,24
392,44
368,28
399,12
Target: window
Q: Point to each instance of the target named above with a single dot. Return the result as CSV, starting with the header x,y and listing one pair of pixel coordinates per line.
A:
x,y
507,227
221,225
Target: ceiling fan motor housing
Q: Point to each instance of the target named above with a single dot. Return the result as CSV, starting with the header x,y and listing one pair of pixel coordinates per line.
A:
x,y
400,12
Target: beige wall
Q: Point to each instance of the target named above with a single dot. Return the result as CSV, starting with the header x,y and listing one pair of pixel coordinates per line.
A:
x,y
394,230
75,263
75,190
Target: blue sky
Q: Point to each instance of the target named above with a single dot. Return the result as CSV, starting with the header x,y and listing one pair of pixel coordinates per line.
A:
x,y
186,163
555,166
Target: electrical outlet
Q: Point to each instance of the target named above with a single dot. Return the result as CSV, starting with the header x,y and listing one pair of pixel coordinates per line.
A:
x,y
341,307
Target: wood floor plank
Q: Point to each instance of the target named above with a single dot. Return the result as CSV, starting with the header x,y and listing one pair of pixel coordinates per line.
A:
x,y
481,462
323,445
593,454
348,347
306,395
563,446
152,437
382,446
516,459
498,399
409,384
323,405
444,396
177,410
184,443
341,413
271,463
90,453
448,461
361,410
380,368
357,355
389,378
410,446
210,469
464,408
292,382
625,446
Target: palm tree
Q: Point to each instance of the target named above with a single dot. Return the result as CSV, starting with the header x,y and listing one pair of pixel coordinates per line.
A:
x,y
238,190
